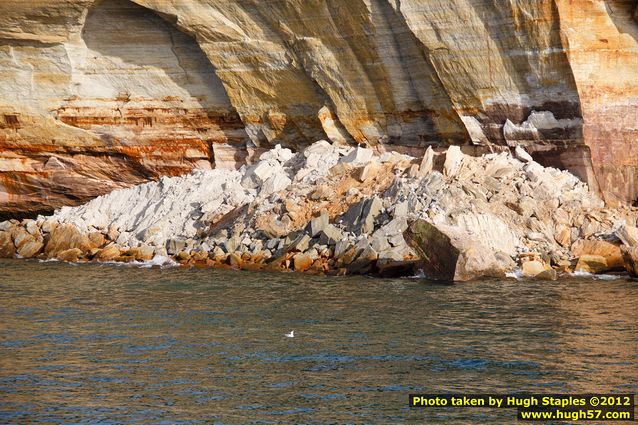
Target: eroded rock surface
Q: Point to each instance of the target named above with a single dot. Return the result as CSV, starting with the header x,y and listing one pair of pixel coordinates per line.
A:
x,y
100,95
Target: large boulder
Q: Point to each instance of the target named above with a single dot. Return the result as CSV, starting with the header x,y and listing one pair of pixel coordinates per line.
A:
x,y
360,216
30,247
630,256
594,264
67,237
108,253
70,255
450,256
609,251
7,249
628,235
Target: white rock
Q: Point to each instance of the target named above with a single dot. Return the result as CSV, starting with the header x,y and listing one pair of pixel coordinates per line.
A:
x,y
279,154
257,174
475,130
522,154
275,183
453,161
427,163
358,156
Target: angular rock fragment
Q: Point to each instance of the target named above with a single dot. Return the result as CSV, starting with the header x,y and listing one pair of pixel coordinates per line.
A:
x,y
30,247
67,237
609,251
630,257
69,255
594,264
7,249
452,259
360,217
302,262
358,156
453,161
108,253
427,164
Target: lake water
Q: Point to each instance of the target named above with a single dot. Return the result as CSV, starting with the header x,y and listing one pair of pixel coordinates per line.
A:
x,y
120,344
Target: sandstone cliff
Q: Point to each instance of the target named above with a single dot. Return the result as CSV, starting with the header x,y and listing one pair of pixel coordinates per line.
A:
x,y
100,94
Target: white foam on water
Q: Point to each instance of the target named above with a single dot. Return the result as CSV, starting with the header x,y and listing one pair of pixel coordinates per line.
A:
x,y
516,274
608,277
158,260
584,274
581,273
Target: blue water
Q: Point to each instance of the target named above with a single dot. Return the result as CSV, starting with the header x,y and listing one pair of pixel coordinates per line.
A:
x,y
103,344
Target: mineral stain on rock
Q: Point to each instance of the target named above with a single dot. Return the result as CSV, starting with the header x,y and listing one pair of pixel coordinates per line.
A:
x,y
119,92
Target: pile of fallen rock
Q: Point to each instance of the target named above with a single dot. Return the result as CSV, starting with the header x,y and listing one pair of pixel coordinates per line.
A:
x,y
342,210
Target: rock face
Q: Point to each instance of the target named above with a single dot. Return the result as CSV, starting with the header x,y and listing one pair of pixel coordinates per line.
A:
x,y
103,94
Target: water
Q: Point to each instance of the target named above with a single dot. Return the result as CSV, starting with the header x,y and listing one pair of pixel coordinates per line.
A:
x,y
117,344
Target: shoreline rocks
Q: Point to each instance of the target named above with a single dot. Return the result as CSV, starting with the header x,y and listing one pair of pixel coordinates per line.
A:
x,y
337,210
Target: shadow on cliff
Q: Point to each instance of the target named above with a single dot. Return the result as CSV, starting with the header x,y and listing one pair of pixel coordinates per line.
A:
x,y
134,39
624,15
527,31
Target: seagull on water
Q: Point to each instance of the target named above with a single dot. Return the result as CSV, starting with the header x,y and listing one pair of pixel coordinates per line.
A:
x,y
291,334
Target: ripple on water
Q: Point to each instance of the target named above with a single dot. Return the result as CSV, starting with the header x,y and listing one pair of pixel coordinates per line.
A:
x,y
97,343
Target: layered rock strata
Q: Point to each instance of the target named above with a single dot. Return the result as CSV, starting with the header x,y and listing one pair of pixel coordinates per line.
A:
x,y
333,209
117,92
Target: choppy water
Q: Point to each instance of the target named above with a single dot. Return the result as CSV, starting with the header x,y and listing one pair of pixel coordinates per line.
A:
x,y
109,344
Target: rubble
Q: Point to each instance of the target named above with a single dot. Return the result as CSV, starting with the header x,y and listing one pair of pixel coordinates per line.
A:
x,y
340,210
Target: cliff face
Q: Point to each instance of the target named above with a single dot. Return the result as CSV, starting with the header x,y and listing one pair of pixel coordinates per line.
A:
x,y
103,94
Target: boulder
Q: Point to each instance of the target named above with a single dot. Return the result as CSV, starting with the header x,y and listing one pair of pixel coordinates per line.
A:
x,y
358,156
368,172
49,226
32,227
7,249
256,175
317,224
30,247
108,253
628,235
533,268
522,155
276,182
142,253
563,266
364,262
360,217
453,161
70,255
67,237
630,256
454,257
611,252
330,235
97,239
550,274
563,235
427,164
302,262
300,244
594,264
278,154
173,246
